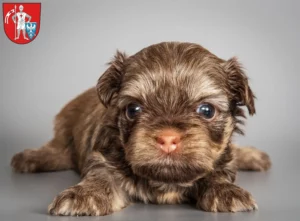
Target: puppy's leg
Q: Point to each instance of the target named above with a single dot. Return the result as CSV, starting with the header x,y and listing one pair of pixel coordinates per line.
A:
x,y
250,158
50,157
217,193
96,195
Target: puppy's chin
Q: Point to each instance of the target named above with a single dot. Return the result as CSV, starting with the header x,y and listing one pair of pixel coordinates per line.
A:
x,y
177,172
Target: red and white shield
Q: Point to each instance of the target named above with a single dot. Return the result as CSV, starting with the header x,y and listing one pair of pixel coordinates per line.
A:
x,y
21,21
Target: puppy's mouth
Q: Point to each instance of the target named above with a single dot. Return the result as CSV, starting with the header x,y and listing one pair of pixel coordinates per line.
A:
x,y
172,168
172,172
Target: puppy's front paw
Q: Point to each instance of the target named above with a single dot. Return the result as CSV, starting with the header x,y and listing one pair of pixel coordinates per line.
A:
x,y
226,197
77,201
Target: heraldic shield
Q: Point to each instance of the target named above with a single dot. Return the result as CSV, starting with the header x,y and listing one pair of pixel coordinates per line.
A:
x,y
21,21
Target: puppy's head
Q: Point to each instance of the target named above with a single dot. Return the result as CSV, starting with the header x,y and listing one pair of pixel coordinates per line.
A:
x,y
178,107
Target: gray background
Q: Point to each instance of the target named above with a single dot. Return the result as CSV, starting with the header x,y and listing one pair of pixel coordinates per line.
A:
x,y
77,38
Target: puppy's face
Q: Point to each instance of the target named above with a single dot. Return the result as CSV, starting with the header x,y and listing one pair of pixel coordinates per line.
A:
x,y
177,105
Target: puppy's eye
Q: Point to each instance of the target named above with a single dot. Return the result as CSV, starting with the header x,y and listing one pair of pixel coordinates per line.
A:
x,y
206,110
132,110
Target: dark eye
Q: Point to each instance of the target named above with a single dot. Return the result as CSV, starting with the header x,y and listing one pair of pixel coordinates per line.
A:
x,y
132,110
206,110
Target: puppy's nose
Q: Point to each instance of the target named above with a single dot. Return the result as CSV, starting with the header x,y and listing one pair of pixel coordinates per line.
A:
x,y
168,140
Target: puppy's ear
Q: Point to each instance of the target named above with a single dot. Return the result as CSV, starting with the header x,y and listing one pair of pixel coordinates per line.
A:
x,y
241,93
110,81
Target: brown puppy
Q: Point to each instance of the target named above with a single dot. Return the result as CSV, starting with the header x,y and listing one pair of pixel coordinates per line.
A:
x,y
161,134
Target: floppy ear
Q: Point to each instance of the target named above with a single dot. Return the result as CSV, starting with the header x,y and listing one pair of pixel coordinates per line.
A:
x,y
241,93
110,81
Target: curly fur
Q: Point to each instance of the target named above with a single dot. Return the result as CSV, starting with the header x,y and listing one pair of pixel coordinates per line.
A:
x,y
118,157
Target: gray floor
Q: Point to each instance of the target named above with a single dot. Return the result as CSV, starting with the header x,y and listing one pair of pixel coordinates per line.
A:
x,y
26,196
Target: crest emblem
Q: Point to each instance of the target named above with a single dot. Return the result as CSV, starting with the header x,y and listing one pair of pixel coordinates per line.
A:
x,y
21,21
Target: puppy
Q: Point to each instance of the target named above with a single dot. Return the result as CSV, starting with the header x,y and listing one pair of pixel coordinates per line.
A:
x,y
161,133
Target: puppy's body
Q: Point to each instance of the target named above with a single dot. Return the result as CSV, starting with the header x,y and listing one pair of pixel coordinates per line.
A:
x,y
117,151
